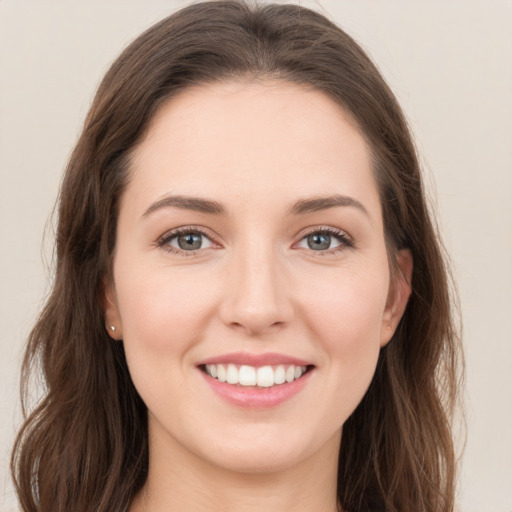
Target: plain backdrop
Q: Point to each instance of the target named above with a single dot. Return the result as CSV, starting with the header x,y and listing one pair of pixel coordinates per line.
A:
x,y
450,64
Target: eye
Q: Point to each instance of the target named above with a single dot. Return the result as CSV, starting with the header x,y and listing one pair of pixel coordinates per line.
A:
x,y
325,241
185,240
320,241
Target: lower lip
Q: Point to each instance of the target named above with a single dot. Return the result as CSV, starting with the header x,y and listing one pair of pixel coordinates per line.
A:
x,y
257,397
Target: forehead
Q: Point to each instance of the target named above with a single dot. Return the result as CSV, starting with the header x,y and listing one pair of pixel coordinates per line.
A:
x,y
253,138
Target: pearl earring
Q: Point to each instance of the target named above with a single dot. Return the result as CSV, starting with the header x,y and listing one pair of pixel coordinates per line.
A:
x,y
112,328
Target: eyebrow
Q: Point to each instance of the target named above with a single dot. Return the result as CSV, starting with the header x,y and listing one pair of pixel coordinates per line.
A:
x,y
301,207
317,204
196,204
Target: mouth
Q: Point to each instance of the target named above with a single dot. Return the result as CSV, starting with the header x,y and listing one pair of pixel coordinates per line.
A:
x,y
257,381
256,377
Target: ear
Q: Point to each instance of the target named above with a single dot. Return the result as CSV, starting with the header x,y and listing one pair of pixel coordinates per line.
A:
x,y
398,296
111,310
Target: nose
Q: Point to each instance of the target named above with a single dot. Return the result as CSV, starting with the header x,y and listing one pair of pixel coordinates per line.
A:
x,y
257,298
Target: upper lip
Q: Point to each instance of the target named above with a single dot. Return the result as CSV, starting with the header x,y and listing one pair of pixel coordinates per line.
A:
x,y
257,360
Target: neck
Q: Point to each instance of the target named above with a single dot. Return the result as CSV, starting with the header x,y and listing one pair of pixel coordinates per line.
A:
x,y
182,482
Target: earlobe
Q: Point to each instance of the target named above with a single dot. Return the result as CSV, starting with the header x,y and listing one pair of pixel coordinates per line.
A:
x,y
111,310
398,297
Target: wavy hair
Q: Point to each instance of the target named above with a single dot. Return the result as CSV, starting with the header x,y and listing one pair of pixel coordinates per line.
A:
x,y
84,447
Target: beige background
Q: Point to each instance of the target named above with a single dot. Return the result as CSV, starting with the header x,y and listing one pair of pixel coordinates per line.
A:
x,y
449,62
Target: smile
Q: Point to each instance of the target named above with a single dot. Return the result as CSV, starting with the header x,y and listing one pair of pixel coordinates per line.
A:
x,y
250,376
256,380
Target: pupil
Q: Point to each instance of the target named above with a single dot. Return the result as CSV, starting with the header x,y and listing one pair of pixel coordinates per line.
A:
x,y
318,241
189,241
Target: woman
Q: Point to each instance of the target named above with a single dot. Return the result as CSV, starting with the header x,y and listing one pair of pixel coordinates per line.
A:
x,y
250,307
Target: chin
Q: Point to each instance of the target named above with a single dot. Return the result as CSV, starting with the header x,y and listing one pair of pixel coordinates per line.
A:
x,y
258,462
267,451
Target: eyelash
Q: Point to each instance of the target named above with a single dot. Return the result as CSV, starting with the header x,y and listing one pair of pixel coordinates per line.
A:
x,y
344,240
164,240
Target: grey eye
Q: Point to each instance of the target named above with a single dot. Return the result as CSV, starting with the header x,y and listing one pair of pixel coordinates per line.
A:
x,y
190,241
323,240
318,241
186,241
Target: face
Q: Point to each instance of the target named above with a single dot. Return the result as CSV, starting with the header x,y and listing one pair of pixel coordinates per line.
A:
x,y
251,284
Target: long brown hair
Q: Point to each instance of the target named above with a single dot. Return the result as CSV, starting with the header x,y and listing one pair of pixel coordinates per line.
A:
x,y
84,447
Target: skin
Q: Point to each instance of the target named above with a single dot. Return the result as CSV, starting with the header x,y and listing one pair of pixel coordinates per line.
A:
x,y
254,286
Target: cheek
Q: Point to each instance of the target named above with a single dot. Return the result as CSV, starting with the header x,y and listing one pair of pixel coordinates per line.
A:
x,y
345,316
163,315
348,308
159,307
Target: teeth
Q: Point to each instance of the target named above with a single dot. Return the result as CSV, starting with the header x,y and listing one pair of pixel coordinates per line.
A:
x,y
221,372
279,375
232,374
264,376
246,376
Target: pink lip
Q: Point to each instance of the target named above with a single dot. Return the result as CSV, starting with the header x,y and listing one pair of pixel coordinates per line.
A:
x,y
239,358
254,397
